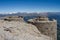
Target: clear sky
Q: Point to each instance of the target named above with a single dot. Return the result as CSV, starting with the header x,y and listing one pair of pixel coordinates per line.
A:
x,y
29,6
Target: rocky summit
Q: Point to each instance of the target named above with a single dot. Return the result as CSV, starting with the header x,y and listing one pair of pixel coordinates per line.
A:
x,y
18,30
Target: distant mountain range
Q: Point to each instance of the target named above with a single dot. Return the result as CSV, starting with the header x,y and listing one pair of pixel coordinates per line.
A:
x,y
24,14
30,14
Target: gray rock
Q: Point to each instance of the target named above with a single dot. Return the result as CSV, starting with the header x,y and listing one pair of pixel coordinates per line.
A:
x,y
16,30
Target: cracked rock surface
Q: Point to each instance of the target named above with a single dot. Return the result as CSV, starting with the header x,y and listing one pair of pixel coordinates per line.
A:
x,y
15,30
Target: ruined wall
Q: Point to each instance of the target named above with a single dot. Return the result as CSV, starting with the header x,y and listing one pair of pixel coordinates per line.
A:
x,y
48,28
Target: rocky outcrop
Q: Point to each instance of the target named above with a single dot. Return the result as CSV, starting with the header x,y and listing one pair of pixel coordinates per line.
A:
x,y
45,26
16,30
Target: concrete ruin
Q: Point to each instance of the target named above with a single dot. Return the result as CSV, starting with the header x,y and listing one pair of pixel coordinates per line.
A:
x,y
45,26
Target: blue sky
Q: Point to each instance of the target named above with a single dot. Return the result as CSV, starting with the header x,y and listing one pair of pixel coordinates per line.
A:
x,y
29,6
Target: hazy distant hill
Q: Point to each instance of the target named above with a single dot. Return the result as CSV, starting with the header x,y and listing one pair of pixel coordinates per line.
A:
x,y
24,14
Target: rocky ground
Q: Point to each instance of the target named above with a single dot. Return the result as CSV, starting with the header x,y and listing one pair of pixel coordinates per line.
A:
x,y
15,30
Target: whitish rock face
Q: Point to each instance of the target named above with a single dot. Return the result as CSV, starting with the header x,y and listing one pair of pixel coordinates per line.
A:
x,y
15,30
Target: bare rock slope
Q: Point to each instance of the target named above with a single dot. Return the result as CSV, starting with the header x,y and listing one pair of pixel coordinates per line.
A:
x,y
15,30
